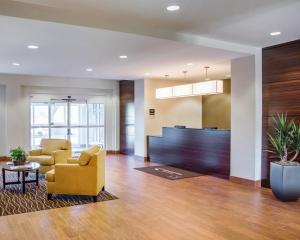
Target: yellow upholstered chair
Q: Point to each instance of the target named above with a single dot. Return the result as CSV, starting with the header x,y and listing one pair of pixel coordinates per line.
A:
x,y
52,151
82,176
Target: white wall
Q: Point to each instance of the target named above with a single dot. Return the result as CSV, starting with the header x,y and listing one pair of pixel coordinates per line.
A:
x,y
19,88
2,119
139,141
246,117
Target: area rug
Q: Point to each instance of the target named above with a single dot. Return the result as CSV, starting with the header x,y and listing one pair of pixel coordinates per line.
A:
x,y
168,172
13,201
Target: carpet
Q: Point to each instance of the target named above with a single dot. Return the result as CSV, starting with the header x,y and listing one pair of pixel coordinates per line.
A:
x,y
169,172
13,201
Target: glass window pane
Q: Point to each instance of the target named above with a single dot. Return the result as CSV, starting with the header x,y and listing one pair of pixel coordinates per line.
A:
x,y
39,114
79,138
37,134
59,114
96,136
78,114
96,114
59,133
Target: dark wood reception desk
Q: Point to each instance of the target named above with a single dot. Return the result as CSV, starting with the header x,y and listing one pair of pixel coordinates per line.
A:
x,y
201,150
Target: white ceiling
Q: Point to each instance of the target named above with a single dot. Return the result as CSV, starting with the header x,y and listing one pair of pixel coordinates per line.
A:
x,y
67,50
242,21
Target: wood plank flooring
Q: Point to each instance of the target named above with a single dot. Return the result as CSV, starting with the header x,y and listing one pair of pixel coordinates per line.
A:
x,y
150,207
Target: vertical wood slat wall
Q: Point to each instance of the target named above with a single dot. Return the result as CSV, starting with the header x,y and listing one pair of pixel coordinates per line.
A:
x,y
127,117
281,91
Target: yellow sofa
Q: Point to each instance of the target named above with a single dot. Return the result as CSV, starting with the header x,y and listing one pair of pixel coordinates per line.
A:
x,y
82,176
52,151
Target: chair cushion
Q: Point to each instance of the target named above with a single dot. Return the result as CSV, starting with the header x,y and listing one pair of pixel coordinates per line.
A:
x,y
84,158
42,159
50,145
50,176
93,149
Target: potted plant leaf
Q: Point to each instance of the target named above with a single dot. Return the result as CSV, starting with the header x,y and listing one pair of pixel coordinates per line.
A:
x,y
285,145
18,156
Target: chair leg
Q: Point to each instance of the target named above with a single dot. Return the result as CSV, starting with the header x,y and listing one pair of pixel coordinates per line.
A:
x,y
49,196
95,198
103,189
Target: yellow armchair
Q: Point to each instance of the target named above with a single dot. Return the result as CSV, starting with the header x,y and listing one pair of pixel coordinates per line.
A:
x,y
83,176
52,151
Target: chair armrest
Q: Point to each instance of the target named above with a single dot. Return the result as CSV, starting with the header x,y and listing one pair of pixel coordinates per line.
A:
x,y
35,152
61,156
73,161
73,174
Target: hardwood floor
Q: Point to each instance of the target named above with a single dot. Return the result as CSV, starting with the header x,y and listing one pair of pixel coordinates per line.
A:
x,y
150,207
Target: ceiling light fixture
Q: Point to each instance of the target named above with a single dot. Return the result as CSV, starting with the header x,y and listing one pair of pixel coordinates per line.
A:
x,y
190,64
89,69
275,33
16,64
123,57
173,8
32,46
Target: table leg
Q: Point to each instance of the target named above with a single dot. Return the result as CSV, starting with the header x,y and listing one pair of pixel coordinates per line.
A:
x,y
37,177
3,177
18,176
23,182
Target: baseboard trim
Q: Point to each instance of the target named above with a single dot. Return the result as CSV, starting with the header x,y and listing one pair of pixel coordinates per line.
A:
x,y
4,159
246,182
145,159
112,152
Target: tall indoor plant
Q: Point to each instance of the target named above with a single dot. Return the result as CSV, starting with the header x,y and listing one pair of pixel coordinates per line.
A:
x,y
285,145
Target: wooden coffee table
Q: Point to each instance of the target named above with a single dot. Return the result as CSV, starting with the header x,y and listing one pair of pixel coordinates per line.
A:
x,y
23,170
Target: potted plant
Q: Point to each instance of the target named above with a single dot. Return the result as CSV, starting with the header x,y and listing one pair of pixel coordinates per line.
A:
x,y
285,145
18,156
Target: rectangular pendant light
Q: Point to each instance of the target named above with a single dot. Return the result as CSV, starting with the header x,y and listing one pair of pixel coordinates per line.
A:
x,y
208,87
163,93
188,90
183,90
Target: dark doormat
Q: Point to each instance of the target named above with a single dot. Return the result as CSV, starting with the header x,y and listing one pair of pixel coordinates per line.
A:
x,y
169,172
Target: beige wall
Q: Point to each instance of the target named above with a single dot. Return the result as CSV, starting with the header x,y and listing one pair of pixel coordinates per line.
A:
x,y
170,112
217,109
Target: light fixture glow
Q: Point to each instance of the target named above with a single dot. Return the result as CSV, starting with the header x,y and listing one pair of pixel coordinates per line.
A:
x,y
190,64
173,8
89,69
147,74
16,64
208,87
123,57
163,93
189,90
183,90
275,33
32,46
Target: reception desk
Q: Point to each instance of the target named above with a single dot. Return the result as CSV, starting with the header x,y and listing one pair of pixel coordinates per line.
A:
x,y
205,151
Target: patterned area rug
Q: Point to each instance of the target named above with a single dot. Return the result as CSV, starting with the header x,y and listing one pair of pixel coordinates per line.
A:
x,y
169,172
13,201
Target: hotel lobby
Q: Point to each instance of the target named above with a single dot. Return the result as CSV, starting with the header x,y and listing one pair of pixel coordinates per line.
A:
x,y
149,119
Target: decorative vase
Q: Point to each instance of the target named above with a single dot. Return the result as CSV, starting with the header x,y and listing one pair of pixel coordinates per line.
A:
x,y
19,162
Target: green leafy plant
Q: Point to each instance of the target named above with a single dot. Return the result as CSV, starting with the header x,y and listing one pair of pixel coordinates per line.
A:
x,y
285,140
18,154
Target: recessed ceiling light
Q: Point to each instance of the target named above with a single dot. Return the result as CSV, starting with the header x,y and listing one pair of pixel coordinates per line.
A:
x,y
123,57
32,46
16,64
190,64
173,8
147,74
275,33
89,69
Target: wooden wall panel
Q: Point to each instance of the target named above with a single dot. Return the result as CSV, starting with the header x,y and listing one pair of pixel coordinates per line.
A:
x,y
281,92
127,117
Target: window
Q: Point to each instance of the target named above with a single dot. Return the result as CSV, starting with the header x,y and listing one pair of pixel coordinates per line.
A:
x,y
81,122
